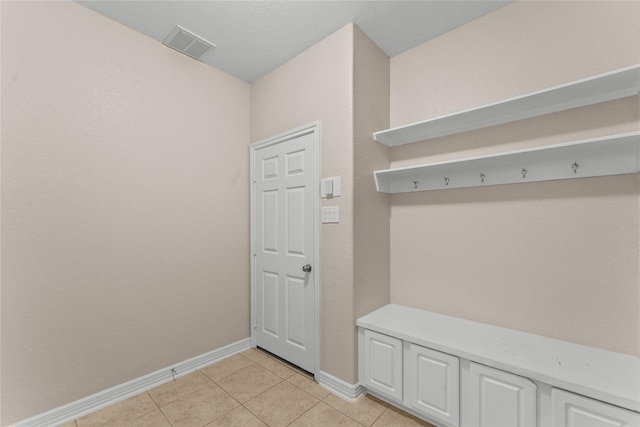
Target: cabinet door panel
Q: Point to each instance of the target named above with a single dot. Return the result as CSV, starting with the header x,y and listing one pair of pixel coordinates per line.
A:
x,y
500,399
572,410
383,364
432,383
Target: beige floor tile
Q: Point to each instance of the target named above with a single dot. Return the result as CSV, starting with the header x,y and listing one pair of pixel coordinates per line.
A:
x,y
249,382
323,415
200,407
278,368
69,424
254,354
226,367
154,419
121,413
365,410
281,404
174,390
239,417
308,385
393,417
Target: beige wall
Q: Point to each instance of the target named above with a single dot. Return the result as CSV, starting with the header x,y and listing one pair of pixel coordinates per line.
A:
x,y
0,226
317,85
371,209
559,259
124,206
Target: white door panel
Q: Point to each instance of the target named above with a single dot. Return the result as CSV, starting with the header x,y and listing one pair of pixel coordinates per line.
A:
x,y
270,303
432,383
500,399
383,364
284,207
573,410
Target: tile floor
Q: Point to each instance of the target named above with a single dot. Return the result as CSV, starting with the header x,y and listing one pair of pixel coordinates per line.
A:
x,y
248,389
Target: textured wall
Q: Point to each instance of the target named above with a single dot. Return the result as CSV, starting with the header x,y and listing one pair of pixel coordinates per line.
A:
x,y
371,209
124,206
558,259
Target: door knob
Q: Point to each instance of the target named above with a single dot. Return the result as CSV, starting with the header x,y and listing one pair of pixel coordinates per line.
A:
x,y
307,268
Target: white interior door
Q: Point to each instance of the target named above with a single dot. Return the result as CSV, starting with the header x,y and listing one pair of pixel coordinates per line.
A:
x,y
284,233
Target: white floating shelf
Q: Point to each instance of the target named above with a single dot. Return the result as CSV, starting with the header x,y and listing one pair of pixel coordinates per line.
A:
x,y
611,155
601,88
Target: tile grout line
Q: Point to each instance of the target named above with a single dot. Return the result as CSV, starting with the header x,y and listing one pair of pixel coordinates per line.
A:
x,y
240,405
283,380
168,403
379,416
181,396
253,362
255,415
350,417
204,367
154,404
166,418
331,407
312,406
263,392
299,416
158,407
199,389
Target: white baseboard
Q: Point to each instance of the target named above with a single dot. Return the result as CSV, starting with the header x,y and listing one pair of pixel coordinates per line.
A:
x,y
338,387
120,392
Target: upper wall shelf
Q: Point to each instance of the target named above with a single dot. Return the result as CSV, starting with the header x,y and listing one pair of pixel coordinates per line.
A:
x,y
601,88
611,155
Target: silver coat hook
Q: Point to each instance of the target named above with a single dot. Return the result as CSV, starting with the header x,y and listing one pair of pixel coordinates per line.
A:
x,y
575,166
482,177
415,184
446,181
524,173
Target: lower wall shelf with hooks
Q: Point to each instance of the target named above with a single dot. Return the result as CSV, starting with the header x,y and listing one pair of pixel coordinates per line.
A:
x,y
610,155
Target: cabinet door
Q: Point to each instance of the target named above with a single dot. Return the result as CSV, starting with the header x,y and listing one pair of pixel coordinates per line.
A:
x,y
572,410
383,364
500,399
432,383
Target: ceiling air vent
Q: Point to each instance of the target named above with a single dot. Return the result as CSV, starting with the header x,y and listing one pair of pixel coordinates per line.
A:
x,y
187,42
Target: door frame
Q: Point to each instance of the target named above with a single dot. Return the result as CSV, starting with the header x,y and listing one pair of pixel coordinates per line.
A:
x,y
311,128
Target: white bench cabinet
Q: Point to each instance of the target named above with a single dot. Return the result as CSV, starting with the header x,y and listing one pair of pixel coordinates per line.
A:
x,y
498,398
458,373
573,410
432,383
383,364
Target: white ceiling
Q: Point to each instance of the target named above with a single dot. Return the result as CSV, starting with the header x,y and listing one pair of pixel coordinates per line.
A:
x,y
254,37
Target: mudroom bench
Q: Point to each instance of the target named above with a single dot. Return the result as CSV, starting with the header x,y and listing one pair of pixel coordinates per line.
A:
x,y
459,373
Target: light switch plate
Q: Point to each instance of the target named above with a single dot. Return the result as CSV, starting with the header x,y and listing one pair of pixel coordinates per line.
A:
x,y
331,215
330,187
